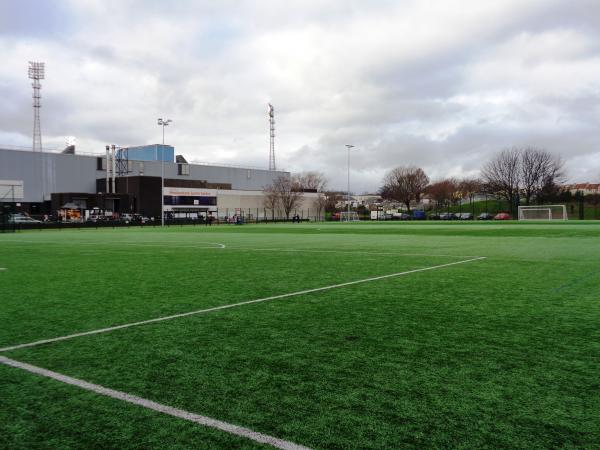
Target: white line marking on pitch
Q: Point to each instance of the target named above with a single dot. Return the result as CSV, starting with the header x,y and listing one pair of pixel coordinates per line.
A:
x,y
2,268
233,305
149,404
349,252
168,244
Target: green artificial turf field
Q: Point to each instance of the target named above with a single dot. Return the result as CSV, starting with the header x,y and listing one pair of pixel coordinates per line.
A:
x,y
500,351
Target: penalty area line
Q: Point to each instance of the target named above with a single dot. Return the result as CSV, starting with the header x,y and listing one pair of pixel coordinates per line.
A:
x,y
159,407
234,305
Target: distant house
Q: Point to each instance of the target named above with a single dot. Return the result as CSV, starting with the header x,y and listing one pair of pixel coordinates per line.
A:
x,y
585,188
368,200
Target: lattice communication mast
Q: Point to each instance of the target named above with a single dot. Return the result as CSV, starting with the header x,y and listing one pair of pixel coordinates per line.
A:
x,y
272,140
37,73
122,161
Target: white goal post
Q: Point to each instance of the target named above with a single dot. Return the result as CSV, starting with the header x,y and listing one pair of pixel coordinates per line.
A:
x,y
543,212
351,216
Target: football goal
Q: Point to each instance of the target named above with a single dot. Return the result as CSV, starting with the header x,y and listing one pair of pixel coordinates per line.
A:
x,y
351,216
543,212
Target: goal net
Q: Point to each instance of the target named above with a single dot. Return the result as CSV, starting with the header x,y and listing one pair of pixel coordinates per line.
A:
x,y
543,212
351,216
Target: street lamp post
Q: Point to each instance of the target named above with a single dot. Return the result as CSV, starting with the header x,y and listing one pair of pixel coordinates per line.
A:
x,y
348,146
162,123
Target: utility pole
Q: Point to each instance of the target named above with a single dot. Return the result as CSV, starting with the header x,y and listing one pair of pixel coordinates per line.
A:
x,y
348,146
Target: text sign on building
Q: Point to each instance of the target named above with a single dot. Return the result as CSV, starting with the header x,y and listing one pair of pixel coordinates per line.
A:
x,y
189,192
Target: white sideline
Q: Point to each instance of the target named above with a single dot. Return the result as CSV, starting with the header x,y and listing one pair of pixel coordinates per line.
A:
x,y
149,404
233,305
169,244
349,252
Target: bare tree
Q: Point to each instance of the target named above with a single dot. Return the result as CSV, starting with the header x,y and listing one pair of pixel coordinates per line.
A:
x,y
271,200
314,181
321,204
442,192
331,200
551,192
502,174
418,181
404,184
289,194
470,187
539,169
528,172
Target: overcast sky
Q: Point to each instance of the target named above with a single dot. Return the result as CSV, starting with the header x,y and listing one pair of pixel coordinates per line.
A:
x,y
437,84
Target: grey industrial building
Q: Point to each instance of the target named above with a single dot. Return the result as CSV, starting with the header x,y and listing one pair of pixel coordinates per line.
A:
x,y
51,183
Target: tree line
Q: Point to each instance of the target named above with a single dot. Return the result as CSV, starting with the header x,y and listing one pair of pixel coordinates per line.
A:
x,y
514,174
517,175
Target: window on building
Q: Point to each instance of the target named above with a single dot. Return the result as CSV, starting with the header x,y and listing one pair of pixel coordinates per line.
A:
x,y
183,169
100,163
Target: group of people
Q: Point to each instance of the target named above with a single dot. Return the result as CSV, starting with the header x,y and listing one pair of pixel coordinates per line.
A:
x,y
235,219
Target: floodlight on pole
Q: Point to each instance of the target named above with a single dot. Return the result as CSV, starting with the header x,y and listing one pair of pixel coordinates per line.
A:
x,y
348,146
162,123
37,72
271,137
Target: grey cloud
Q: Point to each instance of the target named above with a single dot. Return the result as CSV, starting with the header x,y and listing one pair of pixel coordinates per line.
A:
x,y
34,19
441,86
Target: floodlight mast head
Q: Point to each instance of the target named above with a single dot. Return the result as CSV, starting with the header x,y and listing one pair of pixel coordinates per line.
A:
x,y
37,70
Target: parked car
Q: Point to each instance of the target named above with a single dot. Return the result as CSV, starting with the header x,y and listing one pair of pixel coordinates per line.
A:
x,y
419,215
22,218
400,216
464,216
137,218
502,216
434,216
485,216
94,218
126,217
447,216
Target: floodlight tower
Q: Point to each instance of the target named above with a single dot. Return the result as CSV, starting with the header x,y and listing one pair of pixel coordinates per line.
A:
x,y
162,123
36,73
272,138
